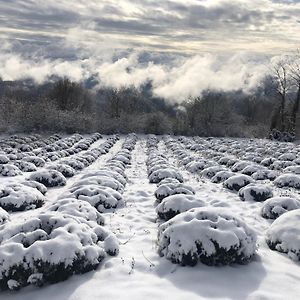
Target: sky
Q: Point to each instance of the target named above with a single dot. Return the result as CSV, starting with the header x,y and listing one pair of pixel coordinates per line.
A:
x,y
181,46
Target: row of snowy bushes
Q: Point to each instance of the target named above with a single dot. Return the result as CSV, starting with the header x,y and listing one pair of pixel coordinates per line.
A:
x,y
103,187
17,143
193,232
283,235
283,173
30,194
30,161
68,236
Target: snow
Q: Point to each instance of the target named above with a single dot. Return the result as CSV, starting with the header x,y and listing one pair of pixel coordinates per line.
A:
x,y
138,271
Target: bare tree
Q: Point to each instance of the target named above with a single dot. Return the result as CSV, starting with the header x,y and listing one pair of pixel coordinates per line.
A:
x,y
281,76
295,76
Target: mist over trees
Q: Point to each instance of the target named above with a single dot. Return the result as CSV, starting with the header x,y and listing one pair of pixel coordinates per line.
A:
x,y
63,105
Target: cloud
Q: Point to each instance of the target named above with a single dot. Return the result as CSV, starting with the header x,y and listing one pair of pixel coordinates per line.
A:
x,y
174,78
185,26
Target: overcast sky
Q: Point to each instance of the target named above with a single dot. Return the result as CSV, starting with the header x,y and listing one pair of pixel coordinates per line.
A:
x,y
153,39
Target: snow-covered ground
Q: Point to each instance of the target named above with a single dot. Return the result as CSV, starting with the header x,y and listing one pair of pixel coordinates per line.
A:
x,y
138,272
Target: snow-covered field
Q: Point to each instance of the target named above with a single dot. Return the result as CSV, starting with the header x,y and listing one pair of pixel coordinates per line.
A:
x,y
148,217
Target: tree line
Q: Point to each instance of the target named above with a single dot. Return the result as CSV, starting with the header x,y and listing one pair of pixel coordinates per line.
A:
x,y
61,105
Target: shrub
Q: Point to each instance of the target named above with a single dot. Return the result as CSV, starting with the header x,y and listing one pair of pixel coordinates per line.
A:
x,y
277,206
283,235
210,235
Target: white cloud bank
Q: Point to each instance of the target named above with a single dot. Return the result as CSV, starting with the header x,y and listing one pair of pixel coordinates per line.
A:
x,y
184,77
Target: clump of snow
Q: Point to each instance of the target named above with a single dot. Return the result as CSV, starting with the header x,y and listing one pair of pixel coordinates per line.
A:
x,y
176,204
255,192
288,180
276,206
168,189
18,197
210,235
49,178
53,245
236,182
284,234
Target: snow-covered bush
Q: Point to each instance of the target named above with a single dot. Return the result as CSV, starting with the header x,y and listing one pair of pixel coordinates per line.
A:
x,y
199,165
3,159
176,204
239,166
208,234
100,197
276,206
64,169
292,169
49,178
49,248
255,192
101,181
4,216
25,166
236,182
106,172
74,163
168,189
212,171
161,174
268,161
288,180
18,197
9,170
37,161
37,185
249,170
76,208
221,176
284,234
264,174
